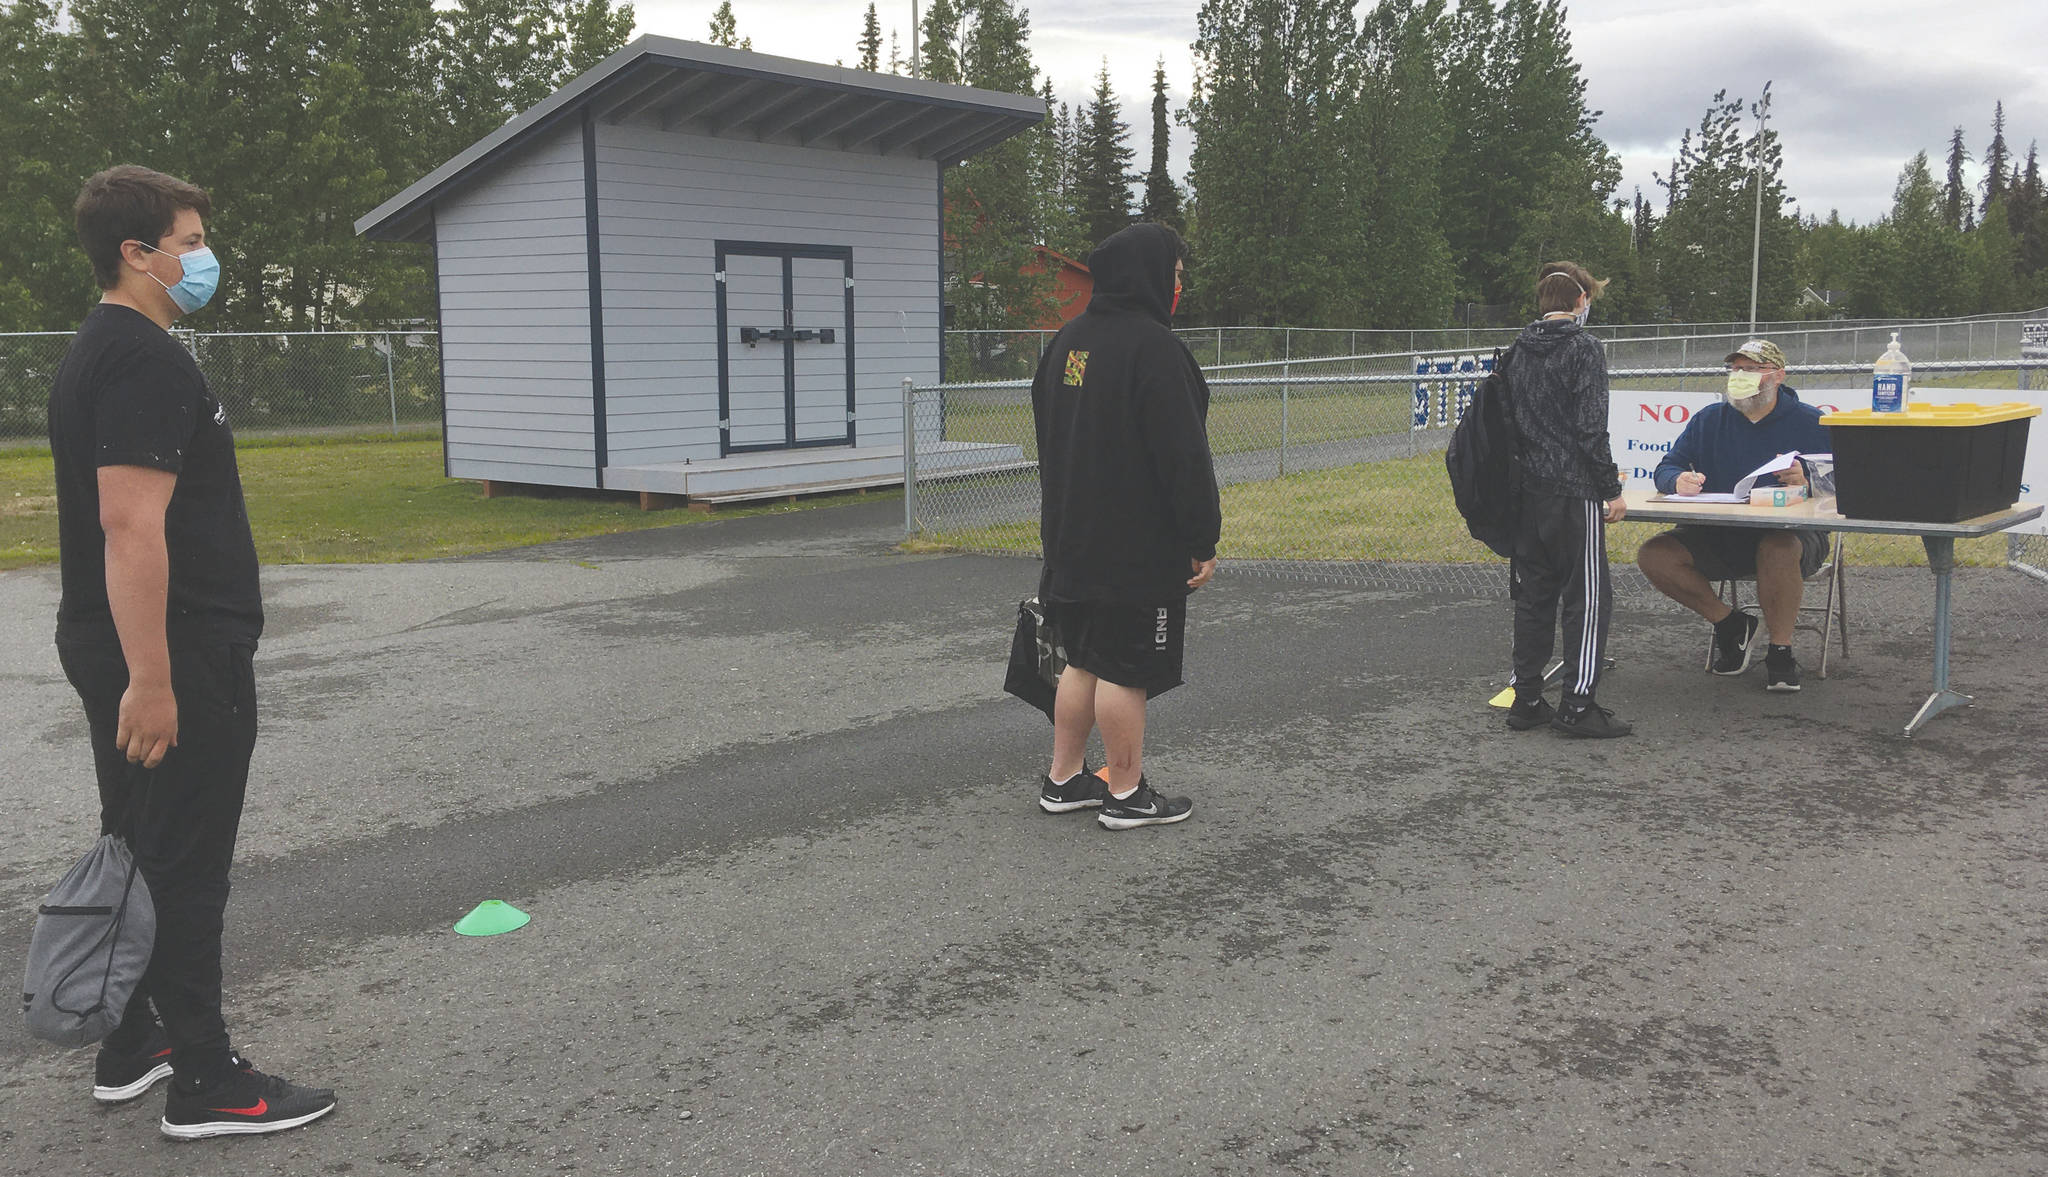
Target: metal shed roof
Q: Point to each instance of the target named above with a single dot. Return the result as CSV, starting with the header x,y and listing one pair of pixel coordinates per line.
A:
x,y
732,93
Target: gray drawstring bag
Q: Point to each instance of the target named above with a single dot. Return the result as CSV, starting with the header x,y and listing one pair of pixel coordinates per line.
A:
x,y
92,942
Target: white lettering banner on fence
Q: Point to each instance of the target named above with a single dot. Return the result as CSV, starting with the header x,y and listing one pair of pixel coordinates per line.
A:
x,y
2034,340
1642,425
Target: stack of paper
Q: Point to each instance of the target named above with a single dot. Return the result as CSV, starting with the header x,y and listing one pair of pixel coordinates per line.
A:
x,y
1747,483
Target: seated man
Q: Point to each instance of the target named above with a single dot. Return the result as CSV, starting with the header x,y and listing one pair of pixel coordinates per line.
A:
x,y
1761,417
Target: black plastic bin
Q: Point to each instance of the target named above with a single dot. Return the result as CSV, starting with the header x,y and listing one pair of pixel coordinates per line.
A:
x,y
1931,463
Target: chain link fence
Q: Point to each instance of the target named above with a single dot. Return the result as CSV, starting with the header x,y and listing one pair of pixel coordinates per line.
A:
x,y
1332,465
974,357
280,383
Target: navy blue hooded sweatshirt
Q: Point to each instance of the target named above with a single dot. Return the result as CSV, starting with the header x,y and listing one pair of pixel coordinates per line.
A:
x,y
1127,486
1724,445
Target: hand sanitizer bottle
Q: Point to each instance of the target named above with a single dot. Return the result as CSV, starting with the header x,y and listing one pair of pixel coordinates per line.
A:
x,y
1891,382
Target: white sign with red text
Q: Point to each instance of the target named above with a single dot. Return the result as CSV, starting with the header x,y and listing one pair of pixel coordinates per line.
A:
x,y
1642,426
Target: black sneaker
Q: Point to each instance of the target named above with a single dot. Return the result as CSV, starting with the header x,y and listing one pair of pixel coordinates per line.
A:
x,y
1085,791
246,1102
1735,645
1530,713
1781,669
1590,720
1142,808
118,1076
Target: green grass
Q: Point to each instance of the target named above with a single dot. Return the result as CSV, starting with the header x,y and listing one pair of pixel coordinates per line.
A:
x,y
1401,511
354,501
1240,419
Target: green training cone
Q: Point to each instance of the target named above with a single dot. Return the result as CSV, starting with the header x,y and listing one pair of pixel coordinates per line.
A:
x,y
491,917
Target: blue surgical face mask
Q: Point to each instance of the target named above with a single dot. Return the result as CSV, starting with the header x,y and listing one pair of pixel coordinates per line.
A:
x,y
202,277
1582,314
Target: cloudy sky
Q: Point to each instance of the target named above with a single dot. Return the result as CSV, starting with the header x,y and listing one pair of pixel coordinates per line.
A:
x,y
1859,85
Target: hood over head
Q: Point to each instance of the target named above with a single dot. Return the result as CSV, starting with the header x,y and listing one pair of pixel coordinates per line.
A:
x,y
1133,271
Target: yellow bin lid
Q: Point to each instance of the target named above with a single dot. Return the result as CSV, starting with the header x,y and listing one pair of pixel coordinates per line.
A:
x,y
1936,415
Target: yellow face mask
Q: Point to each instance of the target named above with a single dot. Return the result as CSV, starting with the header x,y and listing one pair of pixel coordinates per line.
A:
x,y
1743,386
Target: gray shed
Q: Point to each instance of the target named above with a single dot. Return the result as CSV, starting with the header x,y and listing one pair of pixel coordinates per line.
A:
x,y
698,271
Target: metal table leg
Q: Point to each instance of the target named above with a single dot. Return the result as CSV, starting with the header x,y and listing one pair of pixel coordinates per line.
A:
x,y
1941,560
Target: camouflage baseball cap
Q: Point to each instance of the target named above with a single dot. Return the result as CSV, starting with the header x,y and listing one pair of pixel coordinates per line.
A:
x,y
1763,351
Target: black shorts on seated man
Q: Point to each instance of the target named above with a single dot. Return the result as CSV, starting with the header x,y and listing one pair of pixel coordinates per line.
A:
x,y
1759,417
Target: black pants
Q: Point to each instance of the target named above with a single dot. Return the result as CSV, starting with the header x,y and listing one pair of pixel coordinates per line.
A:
x,y
183,816
1560,565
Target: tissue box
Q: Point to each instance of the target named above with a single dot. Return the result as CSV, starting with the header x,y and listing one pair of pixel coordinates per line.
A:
x,y
1930,463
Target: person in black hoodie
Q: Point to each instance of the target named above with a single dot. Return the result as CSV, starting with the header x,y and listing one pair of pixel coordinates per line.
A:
x,y
1571,490
1129,518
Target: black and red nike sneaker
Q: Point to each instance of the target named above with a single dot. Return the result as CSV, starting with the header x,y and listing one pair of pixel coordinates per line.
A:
x,y
119,1075
245,1102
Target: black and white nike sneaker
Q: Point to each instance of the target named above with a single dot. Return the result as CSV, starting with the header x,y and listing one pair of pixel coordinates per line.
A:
x,y
1085,791
1142,808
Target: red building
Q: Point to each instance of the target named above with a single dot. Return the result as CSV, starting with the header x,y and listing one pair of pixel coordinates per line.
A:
x,y
1072,284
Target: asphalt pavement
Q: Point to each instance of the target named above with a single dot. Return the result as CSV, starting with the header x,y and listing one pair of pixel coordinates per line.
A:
x,y
795,910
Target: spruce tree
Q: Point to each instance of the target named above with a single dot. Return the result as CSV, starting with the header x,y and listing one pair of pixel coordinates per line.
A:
x,y
2027,214
1162,195
871,41
1102,162
1956,204
1997,158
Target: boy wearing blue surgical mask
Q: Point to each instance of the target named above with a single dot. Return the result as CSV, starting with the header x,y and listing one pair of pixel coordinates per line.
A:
x,y
1759,418
156,630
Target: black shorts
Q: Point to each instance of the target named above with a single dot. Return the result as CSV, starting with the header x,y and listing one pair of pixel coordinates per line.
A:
x,y
1129,645
1729,553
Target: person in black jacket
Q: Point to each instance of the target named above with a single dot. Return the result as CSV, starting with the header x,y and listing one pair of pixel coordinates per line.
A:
x,y
1571,490
1129,518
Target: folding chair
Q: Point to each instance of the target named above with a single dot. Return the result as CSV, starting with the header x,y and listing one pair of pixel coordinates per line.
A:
x,y
1833,624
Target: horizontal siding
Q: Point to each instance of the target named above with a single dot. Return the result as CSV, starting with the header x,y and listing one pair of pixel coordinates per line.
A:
x,y
539,474
513,262
512,446
666,199
656,451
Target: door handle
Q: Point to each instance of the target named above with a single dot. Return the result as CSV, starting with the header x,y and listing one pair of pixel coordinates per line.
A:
x,y
752,335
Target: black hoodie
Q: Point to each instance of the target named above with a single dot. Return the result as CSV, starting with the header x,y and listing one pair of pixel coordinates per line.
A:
x,y
1128,491
1557,383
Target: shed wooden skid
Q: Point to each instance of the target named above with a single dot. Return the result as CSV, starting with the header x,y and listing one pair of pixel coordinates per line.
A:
x,y
691,259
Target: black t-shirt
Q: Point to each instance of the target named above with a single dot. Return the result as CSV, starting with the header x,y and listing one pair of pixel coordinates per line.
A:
x,y
128,395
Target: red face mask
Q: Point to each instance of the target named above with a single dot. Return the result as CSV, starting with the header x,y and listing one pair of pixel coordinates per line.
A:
x,y
1176,297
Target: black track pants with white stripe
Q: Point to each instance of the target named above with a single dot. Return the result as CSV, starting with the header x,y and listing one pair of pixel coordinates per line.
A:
x,y
1561,569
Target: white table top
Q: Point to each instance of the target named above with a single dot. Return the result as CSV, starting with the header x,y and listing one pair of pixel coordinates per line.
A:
x,y
1644,506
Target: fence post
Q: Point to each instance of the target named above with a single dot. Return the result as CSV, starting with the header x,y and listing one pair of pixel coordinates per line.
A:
x,y
1682,364
1286,384
1219,347
909,458
391,383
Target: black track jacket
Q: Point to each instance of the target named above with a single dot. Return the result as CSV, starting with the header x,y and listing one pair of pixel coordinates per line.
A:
x,y
1128,490
1557,385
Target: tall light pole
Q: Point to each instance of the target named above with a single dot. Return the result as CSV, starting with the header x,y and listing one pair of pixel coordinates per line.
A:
x,y
1756,247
